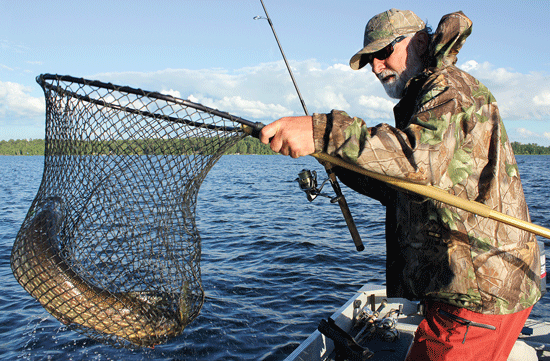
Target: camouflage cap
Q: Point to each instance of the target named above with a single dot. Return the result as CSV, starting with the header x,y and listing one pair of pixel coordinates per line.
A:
x,y
383,29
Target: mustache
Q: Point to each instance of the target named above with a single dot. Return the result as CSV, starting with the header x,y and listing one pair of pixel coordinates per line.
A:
x,y
385,74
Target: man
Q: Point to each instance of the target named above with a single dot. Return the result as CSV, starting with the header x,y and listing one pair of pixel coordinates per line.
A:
x,y
479,278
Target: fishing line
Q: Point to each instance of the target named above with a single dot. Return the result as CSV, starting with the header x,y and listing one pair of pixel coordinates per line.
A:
x,y
340,199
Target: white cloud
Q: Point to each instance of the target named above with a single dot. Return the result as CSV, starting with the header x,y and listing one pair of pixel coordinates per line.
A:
x,y
377,107
519,96
542,99
469,65
265,92
16,103
5,67
236,105
526,133
172,92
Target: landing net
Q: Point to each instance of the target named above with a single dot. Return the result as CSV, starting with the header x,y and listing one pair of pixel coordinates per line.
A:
x,y
109,244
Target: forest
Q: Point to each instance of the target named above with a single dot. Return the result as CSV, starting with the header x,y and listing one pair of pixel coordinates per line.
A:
x,y
247,145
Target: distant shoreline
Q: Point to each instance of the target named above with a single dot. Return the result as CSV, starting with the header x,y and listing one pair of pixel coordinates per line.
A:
x,y
28,147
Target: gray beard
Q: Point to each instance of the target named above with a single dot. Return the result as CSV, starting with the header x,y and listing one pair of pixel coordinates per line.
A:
x,y
395,87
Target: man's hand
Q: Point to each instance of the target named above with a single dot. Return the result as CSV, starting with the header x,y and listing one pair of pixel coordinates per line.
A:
x,y
290,136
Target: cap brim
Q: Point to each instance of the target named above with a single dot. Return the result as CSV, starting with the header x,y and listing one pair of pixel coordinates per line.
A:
x,y
357,61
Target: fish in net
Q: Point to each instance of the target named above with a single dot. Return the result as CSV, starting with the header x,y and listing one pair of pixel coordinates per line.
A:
x,y
109,245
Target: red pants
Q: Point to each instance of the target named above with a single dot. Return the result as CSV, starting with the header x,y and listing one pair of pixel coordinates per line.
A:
x,y
446,334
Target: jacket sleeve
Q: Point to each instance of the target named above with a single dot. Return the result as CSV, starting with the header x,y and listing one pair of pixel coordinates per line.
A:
x,y
382,149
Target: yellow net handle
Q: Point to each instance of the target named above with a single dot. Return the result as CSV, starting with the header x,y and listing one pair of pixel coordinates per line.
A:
x,y
440,195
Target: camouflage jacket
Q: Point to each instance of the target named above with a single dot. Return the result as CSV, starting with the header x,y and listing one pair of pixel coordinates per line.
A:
x,y
448,134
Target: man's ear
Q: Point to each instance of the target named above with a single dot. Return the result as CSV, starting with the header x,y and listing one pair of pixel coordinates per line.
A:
x,y
421,40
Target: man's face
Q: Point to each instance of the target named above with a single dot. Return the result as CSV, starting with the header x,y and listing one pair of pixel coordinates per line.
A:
x,y
396,70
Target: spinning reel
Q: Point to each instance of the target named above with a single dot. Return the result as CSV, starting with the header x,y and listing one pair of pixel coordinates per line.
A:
x,y
307,180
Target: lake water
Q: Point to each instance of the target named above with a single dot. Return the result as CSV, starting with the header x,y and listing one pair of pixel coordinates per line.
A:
x,y
273,264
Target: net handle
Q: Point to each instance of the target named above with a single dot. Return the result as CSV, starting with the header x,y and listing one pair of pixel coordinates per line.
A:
x,y
440,195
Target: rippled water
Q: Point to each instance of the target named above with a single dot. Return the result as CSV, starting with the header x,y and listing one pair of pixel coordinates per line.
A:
x,y
273,264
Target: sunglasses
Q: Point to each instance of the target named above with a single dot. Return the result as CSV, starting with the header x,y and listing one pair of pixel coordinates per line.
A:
x,y
381,54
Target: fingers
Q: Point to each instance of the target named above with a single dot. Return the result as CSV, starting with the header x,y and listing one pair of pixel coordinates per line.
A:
x,y
268,132
268,136
291,136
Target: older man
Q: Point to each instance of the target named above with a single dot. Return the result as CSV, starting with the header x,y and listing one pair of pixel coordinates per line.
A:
x,y
479,278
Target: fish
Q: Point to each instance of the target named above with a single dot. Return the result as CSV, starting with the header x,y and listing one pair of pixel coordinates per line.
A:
x,y
143,318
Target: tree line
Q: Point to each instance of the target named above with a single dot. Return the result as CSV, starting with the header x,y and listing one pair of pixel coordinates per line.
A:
x,y
530,148
247,145
196,145
22,147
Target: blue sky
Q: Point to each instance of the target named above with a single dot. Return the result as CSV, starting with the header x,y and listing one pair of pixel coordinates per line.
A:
x,y
213,52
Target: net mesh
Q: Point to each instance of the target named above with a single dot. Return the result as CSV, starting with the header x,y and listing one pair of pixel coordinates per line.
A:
x,y
109,244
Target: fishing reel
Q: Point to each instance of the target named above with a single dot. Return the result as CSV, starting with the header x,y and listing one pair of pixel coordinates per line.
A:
x,y
386,329
370,325
307,180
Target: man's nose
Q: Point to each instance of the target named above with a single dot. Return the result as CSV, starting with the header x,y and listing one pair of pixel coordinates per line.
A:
x,y
378,65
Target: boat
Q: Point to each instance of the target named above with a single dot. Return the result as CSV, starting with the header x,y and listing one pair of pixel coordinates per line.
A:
x,y
371,326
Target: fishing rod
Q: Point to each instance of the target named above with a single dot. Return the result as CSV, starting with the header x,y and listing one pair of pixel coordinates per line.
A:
x,y
307,183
